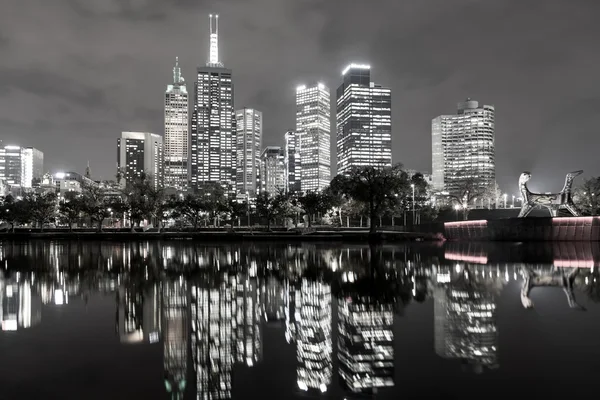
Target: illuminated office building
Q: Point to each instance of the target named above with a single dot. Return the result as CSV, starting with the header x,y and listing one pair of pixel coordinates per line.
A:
x,y
21,166
272,170
140,152
249,141
313,128
20,306
176,323
462,147
138,314
213,132
291,160
364,121
176,132
313,343
365,344
213,319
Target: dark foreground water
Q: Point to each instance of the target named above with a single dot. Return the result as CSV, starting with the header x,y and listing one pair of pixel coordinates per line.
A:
x,y
162,320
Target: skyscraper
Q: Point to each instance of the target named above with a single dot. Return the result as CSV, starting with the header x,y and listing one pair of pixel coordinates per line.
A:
x,y
364,121
272,170
313,128
139,152
212,140
21,166
292,163
462,147
249,141
176,132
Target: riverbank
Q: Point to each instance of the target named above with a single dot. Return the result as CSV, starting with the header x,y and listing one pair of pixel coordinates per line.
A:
x,y
226,236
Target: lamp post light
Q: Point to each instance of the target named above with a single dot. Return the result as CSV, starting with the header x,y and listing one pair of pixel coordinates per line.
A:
x,y
412,185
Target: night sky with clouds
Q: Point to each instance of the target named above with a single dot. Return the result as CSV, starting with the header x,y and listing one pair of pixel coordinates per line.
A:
x,y
75,73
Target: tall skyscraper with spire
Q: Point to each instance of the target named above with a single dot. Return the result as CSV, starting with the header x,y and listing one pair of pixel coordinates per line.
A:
x,y
212,140
176,132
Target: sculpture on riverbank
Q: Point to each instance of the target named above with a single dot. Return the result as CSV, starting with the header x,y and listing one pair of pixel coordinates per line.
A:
x,y
552,201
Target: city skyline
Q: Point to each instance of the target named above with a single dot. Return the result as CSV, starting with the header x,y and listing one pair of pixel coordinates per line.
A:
x,y
93,86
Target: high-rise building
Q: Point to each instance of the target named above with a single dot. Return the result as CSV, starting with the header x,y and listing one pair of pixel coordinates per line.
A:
x,y
292,163
212,139
272,170
21,166
462,147
176,132
364,121
313,128
249,141
140,152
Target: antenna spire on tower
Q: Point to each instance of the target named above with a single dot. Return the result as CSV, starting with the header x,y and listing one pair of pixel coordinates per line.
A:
x,y
177,72
213,58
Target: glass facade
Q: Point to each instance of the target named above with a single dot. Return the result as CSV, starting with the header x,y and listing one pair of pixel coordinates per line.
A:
x,y
463,147
313,129
21,166
364,121
272,170
248,145
293,166
176,132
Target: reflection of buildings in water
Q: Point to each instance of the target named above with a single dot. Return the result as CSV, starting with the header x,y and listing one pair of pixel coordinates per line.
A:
x,y
212,307
138,314
248,341
292,297
20,306
365,344
175,317
273,299
313,343
465,316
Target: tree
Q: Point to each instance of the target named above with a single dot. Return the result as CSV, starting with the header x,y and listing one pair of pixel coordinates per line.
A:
x,y
70,209
143,198
266,207
191,208
375,187
235,210
315,202
95,203
43,207
587,197
468,188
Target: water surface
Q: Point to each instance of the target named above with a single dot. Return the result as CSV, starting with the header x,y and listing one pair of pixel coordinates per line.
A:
x,y
162,320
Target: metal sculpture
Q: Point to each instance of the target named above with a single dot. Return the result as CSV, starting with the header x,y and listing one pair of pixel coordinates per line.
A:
x,y
552,201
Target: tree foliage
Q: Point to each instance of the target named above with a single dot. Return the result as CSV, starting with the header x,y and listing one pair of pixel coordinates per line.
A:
x,y
587,197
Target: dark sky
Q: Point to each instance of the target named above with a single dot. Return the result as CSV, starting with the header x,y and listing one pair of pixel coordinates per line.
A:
x,y
75,73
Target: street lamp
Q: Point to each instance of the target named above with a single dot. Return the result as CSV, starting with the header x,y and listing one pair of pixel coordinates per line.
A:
x,y
412,185
505,195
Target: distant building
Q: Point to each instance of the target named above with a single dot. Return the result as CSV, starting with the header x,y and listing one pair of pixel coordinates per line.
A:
x,y
313,128
21,166
212,138
293,166
364,121
462,147
249,141
272,170
65,182
139,152
176,132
